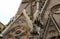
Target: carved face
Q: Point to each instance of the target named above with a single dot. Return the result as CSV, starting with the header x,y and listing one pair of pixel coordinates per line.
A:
x,y
56,9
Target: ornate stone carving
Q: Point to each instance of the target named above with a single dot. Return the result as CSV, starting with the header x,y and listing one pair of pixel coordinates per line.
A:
x,y
17,32
56,9
35,19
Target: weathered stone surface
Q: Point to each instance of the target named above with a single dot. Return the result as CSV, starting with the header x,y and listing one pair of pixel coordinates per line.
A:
x,y
35,19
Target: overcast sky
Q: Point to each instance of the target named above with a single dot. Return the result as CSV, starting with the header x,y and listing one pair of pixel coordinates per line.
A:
x,y
8,8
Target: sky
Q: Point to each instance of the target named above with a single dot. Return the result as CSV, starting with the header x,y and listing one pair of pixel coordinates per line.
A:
x,y
8,8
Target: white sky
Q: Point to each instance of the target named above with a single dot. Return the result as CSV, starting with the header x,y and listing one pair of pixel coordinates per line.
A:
x,y
8,8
